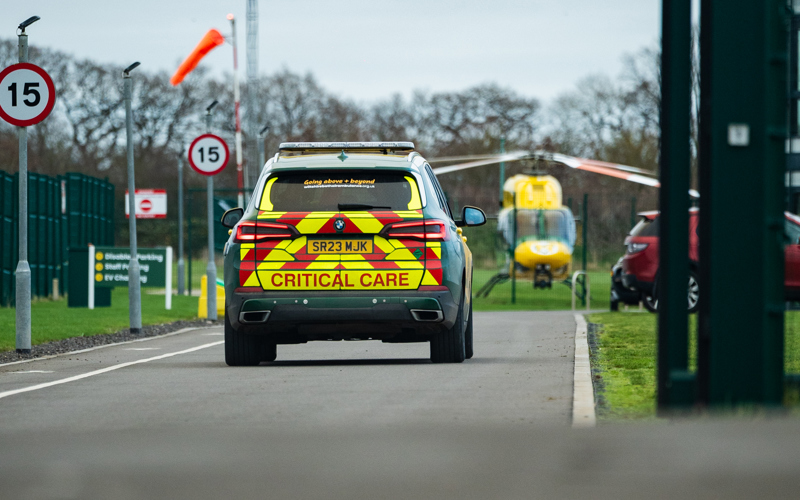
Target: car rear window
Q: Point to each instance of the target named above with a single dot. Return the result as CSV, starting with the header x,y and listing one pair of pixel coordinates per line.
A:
x,y
646,227
334,191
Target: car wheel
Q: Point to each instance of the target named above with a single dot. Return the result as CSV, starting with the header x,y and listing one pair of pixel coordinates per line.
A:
x,y
650,303
240,349
468,352
269,351
448,346
693,292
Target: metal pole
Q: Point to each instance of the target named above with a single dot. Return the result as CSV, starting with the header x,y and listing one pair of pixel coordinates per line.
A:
x,y
211,268
239,173
134,285
674,382
633,211
261,156
189,241
513,256
584,217
502,168
252,84
23,301
181,274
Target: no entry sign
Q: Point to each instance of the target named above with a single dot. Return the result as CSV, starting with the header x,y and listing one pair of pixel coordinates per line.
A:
x,y
27,94
208,154
150,204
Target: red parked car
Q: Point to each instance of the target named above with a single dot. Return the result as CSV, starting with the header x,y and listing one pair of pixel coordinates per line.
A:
x,y
640,263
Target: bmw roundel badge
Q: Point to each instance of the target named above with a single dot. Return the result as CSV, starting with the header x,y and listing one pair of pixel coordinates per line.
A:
x,y
338,225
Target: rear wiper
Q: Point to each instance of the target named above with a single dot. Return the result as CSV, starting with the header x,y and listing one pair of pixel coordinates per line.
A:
x,y
359,206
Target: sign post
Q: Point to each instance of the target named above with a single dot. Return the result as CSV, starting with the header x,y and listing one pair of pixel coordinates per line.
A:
x,y
208,155
27,96
134,291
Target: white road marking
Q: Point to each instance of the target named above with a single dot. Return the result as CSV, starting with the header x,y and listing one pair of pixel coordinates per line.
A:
x,y
216,334
583,414
35,371
105,370
156,337
142,349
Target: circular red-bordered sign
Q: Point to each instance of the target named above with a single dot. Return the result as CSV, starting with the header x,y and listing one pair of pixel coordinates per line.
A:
x,y
208,154
27,94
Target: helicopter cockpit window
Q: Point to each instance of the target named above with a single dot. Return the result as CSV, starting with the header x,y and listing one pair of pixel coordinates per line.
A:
x,y
551,225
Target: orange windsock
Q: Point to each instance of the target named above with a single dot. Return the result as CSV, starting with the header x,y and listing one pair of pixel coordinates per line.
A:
x,y
209,41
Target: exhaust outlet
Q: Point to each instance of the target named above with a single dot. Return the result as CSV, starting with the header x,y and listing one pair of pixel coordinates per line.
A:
x,y
427,315
250,317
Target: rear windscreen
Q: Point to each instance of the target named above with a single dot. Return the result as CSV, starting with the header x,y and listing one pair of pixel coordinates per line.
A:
x,y
335,191
646,227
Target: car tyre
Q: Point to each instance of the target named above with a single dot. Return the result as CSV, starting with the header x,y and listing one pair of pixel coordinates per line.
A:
x,y
650,303
693,295
240,349
269,350
448,346
468,351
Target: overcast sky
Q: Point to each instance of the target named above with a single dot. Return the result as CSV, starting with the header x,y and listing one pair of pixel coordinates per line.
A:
x,y
358,49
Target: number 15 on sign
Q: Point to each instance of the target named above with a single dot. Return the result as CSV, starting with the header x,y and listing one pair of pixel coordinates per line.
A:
x,y
208,154
27,94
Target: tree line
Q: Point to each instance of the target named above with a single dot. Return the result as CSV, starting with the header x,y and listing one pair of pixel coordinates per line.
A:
x,y
604,117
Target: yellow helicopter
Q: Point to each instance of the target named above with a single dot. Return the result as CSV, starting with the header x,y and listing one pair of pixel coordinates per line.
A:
x,y
545,228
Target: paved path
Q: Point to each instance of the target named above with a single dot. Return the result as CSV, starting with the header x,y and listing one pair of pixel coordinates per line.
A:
x,y
361,420
521,374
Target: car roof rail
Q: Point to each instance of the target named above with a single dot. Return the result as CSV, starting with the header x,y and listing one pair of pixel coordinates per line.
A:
x,y
308,148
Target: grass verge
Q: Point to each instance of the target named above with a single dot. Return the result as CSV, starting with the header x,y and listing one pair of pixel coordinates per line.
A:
x,y
625,359
528,299
53,320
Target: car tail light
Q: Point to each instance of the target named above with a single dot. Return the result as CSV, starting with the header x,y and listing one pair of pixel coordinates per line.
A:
x,y
253,231
637,247
421,230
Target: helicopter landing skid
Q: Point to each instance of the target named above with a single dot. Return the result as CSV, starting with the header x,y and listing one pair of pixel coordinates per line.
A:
x,y
496,280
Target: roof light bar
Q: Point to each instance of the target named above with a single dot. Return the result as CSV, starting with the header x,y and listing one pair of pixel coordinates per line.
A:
x,y
295,146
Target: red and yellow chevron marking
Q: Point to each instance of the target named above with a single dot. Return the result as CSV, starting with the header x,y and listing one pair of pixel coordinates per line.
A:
x,y
340,280
286,264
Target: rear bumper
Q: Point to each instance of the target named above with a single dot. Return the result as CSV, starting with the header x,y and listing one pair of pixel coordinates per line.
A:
x,y
630,281
299,316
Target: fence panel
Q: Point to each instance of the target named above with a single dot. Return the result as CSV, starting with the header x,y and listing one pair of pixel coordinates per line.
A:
x,y
64,211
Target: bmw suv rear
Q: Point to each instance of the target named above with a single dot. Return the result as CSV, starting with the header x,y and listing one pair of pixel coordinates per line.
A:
x,y
347,241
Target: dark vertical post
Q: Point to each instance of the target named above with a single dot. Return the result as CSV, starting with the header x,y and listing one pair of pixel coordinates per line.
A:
x,y
584,231
513,255
674,383
633,211
743,132
189,245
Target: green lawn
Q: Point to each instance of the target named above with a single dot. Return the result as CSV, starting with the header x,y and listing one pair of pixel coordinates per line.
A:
x,y
53,320
528,299
626,360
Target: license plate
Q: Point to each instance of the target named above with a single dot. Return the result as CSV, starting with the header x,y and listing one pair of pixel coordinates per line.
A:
x,y
339,246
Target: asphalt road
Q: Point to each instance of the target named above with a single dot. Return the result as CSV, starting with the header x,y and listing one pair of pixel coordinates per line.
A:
x,y
521,374
165,418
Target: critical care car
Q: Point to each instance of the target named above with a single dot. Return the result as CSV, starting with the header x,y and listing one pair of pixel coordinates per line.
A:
x,y
347,241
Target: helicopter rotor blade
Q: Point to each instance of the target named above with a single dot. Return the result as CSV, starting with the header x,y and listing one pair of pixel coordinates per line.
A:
x,y
517,155
625,172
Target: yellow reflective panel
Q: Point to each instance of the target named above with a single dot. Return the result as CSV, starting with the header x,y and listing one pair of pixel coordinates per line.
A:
x,y
415,203
265,203
366,223
311,224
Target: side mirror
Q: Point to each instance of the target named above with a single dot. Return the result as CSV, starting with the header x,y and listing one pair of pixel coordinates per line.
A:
x,y
471,216
232,216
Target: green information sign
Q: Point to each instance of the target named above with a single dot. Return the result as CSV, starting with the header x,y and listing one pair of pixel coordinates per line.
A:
x,y
111,266
108,267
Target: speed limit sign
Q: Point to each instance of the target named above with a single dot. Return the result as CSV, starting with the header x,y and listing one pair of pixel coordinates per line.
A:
x,y
208,154
27,94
